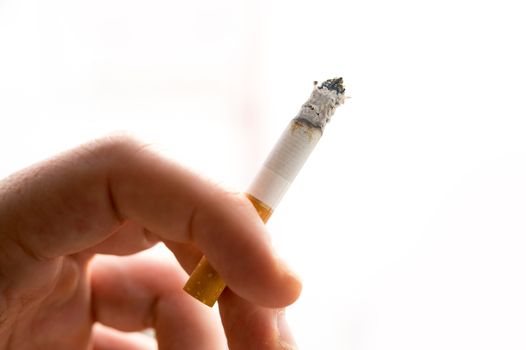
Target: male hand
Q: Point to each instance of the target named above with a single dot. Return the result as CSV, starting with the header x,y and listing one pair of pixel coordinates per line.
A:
x,y
68,279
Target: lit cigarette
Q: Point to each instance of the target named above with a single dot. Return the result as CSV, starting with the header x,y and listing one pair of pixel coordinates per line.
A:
x,y
277,173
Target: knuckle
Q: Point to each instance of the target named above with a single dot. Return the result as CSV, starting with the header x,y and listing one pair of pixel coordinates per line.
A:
x,y
115,149
117,144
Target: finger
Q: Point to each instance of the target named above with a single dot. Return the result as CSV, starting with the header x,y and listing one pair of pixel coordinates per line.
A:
x,y
76,201
128,239
138,292
249,326
187,254
105,338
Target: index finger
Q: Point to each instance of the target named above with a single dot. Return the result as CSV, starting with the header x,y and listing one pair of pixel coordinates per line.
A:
x,y
76,200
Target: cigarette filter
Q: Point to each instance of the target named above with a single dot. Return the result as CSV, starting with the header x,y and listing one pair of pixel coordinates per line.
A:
x,y
277,173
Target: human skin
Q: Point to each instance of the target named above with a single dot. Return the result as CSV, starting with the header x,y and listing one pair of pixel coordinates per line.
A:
x,y
71,278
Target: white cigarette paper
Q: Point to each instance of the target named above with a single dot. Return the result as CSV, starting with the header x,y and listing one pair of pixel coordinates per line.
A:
x,y
277,173
296,143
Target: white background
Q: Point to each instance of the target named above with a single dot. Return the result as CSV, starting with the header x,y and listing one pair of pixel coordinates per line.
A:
x,y
407,224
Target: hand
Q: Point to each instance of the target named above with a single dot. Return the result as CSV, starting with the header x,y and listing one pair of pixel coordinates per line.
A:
x,y
115,197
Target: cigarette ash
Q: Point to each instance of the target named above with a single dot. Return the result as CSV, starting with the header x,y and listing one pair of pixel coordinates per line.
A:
x,y
322,103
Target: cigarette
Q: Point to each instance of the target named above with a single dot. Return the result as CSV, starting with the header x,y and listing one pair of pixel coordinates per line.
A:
x,y
277,173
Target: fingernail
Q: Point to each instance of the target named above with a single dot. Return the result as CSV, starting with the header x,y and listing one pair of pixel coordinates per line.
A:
x,y
286,340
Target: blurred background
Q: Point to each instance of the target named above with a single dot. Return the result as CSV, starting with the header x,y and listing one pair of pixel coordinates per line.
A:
x,y
408,223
